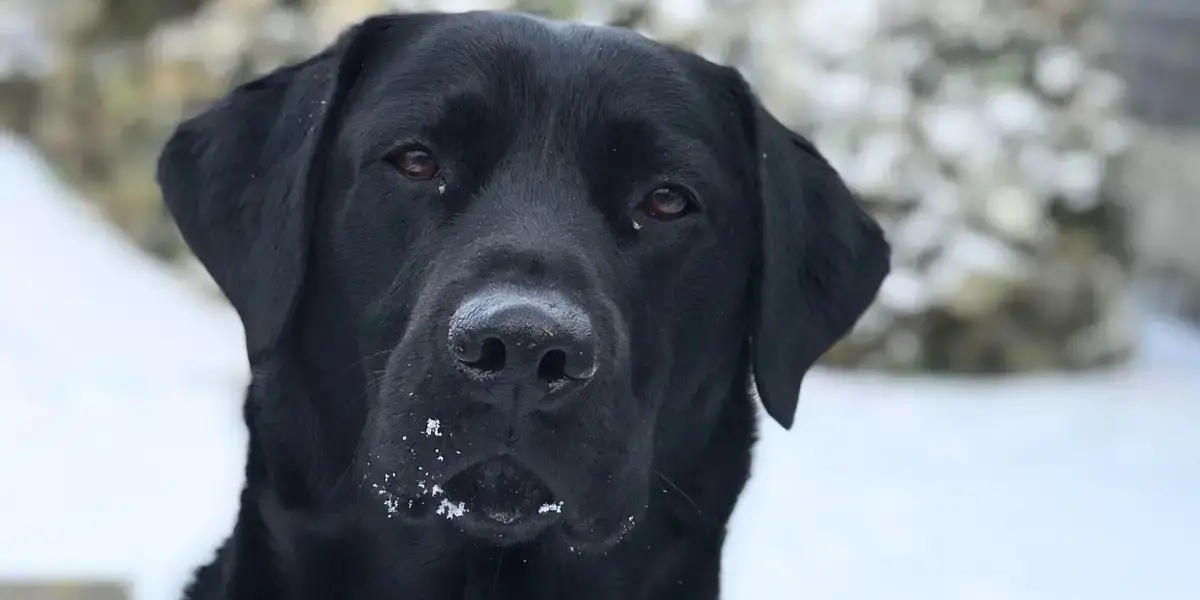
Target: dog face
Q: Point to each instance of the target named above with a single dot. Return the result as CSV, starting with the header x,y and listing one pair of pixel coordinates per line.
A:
x,y
528,250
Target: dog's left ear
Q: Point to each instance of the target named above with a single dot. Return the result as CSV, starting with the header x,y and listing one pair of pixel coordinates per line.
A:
x,y
822,263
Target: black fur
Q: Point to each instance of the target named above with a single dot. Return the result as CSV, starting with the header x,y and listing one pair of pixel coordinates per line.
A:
x,y
345,274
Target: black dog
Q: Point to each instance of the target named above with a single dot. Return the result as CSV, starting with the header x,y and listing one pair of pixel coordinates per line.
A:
x,y
504,281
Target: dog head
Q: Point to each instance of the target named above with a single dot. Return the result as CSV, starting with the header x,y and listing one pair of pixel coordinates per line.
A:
x,y
506,254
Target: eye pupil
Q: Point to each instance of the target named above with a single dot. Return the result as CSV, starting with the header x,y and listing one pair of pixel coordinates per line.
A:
x,y
417,163
667,203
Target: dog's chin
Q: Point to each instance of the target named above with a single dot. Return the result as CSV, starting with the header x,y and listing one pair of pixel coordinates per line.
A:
x,y
496,501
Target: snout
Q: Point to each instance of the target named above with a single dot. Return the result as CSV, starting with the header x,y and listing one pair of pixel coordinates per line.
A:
x,y
508,408
538,341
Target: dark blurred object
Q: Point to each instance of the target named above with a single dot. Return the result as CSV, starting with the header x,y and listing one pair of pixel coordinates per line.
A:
x,y
1157,50
63,591
124,19
1157,47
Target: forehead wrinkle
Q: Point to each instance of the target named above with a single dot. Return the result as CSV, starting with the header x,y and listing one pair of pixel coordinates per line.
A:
x,y
533,62
657,100
455,59
528,66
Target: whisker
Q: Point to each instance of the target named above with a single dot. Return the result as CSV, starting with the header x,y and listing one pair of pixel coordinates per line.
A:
x,y
678,489
366,358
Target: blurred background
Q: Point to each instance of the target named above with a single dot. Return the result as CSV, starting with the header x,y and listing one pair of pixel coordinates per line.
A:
x,y
1016,418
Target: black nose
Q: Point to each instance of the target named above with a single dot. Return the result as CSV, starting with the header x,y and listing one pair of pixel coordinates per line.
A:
x,y
525,337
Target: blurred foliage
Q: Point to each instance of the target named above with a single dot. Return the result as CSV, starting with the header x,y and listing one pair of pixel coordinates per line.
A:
x,y
130,70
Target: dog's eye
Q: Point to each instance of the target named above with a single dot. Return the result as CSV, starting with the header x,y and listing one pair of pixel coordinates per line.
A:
x,y
416,163
666,203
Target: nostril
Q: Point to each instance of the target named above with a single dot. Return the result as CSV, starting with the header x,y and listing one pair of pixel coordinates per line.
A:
x,y
552,368
492,356
522,338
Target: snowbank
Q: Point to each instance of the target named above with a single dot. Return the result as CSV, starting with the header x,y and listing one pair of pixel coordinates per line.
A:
x,y
1041,488
104,355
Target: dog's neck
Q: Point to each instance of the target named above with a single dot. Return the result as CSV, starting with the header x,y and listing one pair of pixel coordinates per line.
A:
x,y
302,533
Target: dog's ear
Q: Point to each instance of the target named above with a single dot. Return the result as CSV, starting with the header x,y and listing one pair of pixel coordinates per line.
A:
x,y
241,183
238,179
823,258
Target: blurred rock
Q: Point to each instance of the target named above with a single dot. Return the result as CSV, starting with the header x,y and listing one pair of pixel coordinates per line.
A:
x,y
980,132
1157,49
63,590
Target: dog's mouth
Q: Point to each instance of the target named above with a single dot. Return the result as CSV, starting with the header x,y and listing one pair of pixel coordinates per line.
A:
x,y
502,492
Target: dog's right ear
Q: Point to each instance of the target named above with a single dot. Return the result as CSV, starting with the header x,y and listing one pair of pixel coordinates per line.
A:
x,y
238,180
241,183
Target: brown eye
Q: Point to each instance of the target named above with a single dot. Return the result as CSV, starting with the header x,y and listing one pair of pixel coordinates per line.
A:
x,y
416,163
667,203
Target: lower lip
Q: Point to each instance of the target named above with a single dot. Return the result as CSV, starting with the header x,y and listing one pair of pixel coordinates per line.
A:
x,y
503,518
506,526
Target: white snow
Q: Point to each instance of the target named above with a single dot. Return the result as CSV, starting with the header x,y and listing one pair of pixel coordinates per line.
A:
x,y
121,445
451,510
121,448
433,427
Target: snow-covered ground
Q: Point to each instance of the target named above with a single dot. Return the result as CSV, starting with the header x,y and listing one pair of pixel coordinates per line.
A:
x,y
120,448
